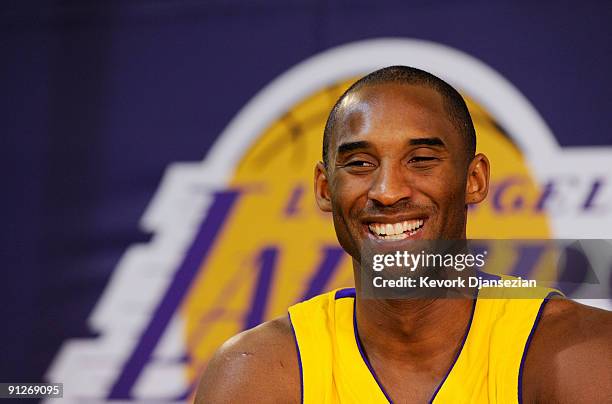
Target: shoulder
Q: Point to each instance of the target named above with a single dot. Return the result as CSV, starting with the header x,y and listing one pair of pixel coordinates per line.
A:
x,y
257,365
570,355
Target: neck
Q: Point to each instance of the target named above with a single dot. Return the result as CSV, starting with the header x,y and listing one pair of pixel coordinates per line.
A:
x,y
413,329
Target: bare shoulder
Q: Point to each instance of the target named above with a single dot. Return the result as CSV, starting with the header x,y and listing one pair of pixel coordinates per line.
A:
x,y
258,365
570,356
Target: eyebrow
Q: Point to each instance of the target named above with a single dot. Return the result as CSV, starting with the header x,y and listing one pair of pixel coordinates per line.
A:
x,y
351,146
359,145
427,141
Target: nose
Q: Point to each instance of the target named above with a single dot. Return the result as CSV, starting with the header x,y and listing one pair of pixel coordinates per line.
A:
x,y
390,185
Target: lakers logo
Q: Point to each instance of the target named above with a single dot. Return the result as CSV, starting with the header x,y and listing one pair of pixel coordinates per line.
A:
x,y
239,237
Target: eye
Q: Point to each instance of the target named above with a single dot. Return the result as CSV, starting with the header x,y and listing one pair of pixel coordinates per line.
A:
x,y
421,159
359,163
358,166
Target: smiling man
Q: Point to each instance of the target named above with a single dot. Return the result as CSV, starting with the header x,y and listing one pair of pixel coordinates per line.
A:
x,y
399,164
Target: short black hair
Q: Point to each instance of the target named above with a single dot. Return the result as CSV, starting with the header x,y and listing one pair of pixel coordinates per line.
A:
x,y
454,102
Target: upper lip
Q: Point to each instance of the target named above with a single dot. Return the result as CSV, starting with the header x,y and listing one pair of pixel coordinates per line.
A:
x,y
392,218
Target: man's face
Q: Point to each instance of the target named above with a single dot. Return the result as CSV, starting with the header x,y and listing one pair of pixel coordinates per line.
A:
x,y
397,168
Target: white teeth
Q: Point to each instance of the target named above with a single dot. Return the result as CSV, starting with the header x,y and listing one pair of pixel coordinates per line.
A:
x,y
389,229
396,231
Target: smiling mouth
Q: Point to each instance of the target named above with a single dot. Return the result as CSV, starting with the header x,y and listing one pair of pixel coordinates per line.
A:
x,y
396,231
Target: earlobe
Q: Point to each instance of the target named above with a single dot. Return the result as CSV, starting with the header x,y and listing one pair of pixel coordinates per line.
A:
x,y
321,188
477,185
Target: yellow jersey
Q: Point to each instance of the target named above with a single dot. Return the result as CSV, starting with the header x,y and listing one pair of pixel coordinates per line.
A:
x,y
487,369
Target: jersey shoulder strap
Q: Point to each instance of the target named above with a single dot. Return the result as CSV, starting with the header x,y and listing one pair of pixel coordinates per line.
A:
x,y
313,334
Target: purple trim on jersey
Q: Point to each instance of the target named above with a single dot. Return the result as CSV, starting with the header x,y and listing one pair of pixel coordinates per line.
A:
x,y
450,369
299,357
528,342
346,292
362,352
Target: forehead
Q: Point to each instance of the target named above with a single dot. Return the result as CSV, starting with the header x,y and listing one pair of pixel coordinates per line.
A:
x,y
375,111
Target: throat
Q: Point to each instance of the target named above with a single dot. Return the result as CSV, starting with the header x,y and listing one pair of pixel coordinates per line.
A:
x,y
415,341
419,332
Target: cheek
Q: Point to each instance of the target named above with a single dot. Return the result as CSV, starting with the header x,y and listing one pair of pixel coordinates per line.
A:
x,y
451,202
346,204
349,195
446,196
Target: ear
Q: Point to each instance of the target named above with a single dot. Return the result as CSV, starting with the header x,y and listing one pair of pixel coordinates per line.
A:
x,y
477,185
321,188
